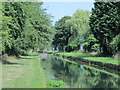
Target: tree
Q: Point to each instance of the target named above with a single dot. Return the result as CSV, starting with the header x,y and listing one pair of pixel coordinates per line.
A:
x,y
39,23
15,11
5,38
115,44
90,43
105,24
70,31
78,25
62,33
30,27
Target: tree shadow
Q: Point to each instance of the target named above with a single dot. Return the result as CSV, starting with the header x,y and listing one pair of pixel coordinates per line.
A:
x,y
31,55
25,58
34,55
9,63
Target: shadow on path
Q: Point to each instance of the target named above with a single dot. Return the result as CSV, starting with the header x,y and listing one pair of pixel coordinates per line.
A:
x,y
10,63
25,58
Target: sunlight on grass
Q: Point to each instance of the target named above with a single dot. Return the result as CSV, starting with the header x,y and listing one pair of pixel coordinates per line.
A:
x,y
103,59
92,57
27,73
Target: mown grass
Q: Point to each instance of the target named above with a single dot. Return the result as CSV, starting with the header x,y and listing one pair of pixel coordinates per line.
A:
x,y
89,56
24,72
76,54
103,59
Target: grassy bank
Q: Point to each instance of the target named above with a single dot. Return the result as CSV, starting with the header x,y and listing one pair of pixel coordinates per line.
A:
x,y
23,72
92,57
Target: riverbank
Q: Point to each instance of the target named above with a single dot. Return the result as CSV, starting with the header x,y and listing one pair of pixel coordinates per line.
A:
x,y
77,75
91,59
23,72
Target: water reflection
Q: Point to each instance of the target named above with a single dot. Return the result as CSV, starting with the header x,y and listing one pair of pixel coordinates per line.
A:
x,y
43,55
78,75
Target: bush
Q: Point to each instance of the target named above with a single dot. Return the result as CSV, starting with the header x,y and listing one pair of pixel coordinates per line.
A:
x,y
115,44
56,83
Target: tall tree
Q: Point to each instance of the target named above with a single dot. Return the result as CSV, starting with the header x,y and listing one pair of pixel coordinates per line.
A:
x,y
62,33
105,24
5,37
70,32
15,11
78,25
30,26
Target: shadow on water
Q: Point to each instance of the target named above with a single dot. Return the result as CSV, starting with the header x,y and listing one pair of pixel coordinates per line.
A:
x,y
78,75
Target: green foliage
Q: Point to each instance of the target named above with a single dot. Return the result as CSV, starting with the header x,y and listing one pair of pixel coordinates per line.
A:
x,y
90,43
62,33
27,26
55,84
70,31
105,24
5,30
95,47
80,25
115,44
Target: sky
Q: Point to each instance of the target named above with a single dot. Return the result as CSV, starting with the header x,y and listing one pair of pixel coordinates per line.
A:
x,y
60,9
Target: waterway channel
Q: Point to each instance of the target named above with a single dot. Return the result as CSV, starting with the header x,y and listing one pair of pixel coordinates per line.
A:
x,y
77,75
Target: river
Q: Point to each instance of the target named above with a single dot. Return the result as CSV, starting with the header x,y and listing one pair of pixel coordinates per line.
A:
x,y
77,75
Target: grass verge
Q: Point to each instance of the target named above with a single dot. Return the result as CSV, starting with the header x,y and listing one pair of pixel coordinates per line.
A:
x,y
24,72
92,57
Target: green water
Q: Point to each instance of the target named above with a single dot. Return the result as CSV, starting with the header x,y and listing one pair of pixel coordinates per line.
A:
x,y
77,75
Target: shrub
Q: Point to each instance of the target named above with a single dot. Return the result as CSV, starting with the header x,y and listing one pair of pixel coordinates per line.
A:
x,y
56,83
